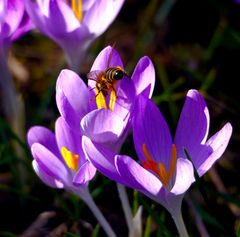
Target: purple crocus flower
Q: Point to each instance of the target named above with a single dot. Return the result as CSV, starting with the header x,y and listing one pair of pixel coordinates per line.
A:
x,y
14,22
164,173
77,102
59,162
58,158
73,24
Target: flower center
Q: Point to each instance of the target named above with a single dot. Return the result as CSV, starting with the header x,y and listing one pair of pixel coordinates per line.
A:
x,y
70,159
101,100
158,168
76,6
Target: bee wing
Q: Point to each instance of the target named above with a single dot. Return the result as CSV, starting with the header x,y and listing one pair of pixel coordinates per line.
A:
x,y
93,75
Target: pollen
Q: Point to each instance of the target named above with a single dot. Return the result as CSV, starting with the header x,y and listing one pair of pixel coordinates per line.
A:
x,y
113,98
70,158
101,99
158,168
76,6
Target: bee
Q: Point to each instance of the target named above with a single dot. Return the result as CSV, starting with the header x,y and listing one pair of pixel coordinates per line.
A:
x,y
106,79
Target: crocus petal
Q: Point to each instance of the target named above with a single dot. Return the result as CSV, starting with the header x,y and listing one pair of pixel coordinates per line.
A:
x,y
102,158
102,126
125,98
184,176
72,97
67,31
24,26
3,7
53,17
193,125
44,136
69,138
213,150
38,12
85,173
57,20
75,44
61,18
101,15
137,177
150,128
86,5
66,110
47,179
108,57
49,163
144,76
13,17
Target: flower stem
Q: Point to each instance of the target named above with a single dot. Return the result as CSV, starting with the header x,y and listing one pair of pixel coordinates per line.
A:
x,y
87,198
178,219
125,204
13,110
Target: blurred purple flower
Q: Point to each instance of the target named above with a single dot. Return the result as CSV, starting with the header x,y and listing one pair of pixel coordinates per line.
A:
x,y
164,173
77,102
73,24
58,158
14,22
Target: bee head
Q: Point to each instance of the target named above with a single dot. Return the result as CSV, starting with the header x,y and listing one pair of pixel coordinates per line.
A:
x,y
119,73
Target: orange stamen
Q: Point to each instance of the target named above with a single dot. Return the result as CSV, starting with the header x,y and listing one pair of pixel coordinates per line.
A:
x,y
163,174
146,152
159,169
173,162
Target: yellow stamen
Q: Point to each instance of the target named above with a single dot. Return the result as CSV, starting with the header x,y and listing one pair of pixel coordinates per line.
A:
x,y
159,169
76,6
70,159
113,98
100,100
73,5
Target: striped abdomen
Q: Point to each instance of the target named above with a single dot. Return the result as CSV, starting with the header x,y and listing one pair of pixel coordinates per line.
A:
x,y
114,74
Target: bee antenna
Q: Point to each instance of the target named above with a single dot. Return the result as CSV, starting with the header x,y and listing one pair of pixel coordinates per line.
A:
x,y
110,55
92,79
113,46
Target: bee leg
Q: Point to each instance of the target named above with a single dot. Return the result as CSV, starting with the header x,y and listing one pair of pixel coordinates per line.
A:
x,y
92,79
98,90
97,93
92,88
100,99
